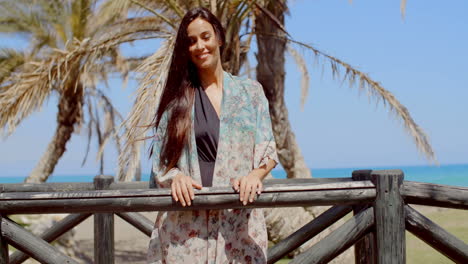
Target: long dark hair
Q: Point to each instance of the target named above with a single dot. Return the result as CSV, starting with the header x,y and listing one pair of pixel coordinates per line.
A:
x,y
178,94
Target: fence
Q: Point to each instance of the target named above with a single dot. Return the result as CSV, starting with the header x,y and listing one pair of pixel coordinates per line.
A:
x,y
379,200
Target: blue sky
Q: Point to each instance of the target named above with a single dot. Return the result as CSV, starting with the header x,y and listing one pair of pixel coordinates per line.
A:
x,y
421,59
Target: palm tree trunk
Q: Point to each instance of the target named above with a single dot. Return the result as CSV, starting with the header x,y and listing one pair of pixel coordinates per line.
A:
x,y
271,74
69,114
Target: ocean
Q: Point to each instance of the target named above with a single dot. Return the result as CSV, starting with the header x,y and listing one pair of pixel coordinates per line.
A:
x,y
456,175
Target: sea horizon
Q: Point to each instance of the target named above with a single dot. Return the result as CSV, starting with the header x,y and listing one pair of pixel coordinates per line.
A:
x,y
448,174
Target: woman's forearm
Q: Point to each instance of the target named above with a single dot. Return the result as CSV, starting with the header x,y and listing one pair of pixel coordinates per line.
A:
x,y
263,171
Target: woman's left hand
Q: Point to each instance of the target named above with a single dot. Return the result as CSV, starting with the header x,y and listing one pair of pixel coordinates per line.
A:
x,y
248,186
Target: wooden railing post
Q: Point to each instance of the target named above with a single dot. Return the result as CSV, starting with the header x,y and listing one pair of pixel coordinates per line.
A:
x,y
365,248
389,217
103,227
3,246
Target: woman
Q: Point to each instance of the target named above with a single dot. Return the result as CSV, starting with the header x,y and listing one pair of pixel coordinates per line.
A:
x,y
212,129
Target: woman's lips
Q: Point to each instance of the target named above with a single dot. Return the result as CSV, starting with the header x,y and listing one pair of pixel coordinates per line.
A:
x,y
202,56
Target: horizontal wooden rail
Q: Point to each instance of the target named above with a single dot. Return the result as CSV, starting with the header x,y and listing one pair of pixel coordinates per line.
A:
x,y
47,187
53,233
435,195
161,199
165,192
307,232
89,186
435,236
32,245
339,240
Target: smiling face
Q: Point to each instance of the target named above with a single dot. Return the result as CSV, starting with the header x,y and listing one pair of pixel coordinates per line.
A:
x,y
204,44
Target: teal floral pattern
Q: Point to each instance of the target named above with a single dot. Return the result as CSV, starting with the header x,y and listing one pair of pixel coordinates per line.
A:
x,y
218,236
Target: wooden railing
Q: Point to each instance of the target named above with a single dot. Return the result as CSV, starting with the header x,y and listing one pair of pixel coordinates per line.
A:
x,y
378,199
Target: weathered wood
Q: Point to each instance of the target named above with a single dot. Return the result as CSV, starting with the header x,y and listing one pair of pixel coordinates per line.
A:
x,y
3,246
164,192
88,186
53,233
365,251
435,195
307,232
32,245
103,227
202,201
435,236
139,221
267,182
46,187
339,240
389,217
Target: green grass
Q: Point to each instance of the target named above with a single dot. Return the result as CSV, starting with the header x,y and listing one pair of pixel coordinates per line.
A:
x,y
452,220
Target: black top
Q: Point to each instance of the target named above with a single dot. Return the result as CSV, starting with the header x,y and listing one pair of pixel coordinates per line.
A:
x,y
206,128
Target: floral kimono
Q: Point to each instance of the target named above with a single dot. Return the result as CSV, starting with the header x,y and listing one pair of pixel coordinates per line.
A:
x,y
218,236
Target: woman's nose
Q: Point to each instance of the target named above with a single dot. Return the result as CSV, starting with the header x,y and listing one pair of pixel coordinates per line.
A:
x,y
198,45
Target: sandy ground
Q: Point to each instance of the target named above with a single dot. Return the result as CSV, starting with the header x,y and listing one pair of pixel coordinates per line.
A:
x,y
130,243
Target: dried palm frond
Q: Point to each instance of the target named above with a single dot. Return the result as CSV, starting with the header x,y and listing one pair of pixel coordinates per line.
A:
x,y
117,10
403,8
25,92
10,60
301,65
111,12
99,104
158,14
174,5
112,117
18,100
89,127
272,17
376,91
153,78
213,7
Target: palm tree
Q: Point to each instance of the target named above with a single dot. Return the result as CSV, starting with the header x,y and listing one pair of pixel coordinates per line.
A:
x,y
69,53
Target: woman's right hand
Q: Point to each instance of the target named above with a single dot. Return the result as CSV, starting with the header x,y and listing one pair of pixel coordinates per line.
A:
x,y
182,189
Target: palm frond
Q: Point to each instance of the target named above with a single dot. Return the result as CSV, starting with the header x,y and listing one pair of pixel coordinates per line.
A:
x,y
110,12
272,17
10,60
26,91
80,12
302,66
175,7
131,27
376,91
403,8
153,77
111,118
89,128
98,104
18,101
161,16
213,7
97,128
